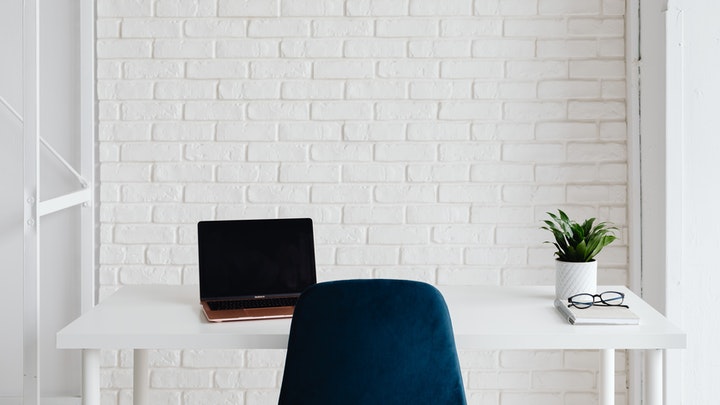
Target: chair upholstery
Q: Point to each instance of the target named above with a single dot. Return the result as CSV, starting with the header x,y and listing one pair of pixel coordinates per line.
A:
x,y
371,342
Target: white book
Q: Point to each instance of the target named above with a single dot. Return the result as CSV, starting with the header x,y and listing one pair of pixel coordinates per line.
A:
x,y
597,315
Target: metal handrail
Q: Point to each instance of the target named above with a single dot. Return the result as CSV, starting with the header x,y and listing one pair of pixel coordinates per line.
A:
x,y
47,145
11,109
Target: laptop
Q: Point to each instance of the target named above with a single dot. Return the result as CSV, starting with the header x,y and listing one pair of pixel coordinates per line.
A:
x,y
254,269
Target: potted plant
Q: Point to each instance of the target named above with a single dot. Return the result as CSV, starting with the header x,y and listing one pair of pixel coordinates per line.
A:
x,y
577,245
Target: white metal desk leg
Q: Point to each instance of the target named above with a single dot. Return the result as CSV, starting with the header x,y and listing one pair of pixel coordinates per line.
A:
x,y
653,377
141,381
606,384
91,377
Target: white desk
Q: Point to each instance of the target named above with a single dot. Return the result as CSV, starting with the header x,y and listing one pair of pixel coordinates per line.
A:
x,y
486,318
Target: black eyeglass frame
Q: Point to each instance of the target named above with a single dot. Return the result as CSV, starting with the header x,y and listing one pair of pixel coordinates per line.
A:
x,y
584,305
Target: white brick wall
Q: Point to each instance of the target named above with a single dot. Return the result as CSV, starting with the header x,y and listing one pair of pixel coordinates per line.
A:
x,y
425,138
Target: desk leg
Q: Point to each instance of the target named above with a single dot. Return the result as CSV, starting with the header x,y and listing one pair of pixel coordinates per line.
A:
x,y
654,377
606,385
141,381
91,377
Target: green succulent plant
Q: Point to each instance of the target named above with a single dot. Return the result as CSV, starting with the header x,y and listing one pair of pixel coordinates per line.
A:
x,y
578,242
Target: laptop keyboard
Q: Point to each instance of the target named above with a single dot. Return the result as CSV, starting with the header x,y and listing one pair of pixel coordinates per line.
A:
x,y
249,304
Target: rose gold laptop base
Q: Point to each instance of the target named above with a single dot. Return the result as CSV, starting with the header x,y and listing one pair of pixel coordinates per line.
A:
x,y
226,315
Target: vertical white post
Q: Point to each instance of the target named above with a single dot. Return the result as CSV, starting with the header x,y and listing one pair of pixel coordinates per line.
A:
x,y
653,377
91,377
674,179
87,153
606,384
632,63
141,381
31,245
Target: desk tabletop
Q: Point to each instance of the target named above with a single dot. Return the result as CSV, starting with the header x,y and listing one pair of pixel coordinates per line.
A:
x,y
483,317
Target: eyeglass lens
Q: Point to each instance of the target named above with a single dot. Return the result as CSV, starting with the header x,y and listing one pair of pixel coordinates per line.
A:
x,y
582,300
612,298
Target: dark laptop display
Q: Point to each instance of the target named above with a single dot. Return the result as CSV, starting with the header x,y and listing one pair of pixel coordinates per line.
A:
x,y
247,266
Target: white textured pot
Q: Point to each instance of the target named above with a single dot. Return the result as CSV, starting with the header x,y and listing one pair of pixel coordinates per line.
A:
x,y
574,278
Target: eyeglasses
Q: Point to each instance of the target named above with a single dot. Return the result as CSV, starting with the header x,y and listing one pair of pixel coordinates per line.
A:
x,y
607,298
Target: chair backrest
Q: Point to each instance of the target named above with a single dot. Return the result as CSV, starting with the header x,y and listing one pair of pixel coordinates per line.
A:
x,y
371,342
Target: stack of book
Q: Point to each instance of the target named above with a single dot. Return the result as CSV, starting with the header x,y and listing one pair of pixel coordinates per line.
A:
x,y
597,315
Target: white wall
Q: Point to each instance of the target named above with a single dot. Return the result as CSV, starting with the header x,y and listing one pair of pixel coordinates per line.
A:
x,y
699,274
60,232
427,139
653,151
11,209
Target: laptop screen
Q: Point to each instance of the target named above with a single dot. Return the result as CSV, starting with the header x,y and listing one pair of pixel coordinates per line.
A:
x,y
242,258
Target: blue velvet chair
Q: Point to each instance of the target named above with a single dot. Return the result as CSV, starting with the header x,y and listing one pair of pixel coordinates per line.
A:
x,y
374,342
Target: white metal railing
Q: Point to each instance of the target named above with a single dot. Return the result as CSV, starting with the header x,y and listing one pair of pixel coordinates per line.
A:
x,y
31,237
33,208
65,201
64,162
11,109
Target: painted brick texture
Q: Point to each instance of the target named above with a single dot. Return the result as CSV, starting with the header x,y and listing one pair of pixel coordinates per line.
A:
x,y
425,138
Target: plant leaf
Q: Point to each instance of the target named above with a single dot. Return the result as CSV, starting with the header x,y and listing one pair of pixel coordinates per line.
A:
x,y
578,242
